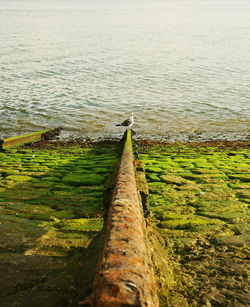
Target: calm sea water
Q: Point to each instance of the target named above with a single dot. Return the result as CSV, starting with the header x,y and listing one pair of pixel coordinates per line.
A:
x,y
182,66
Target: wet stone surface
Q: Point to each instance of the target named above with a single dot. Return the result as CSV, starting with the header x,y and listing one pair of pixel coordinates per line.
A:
x,y
199,198
51,215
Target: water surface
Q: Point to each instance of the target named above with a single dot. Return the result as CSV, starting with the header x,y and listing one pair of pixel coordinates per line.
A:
x,y
180,66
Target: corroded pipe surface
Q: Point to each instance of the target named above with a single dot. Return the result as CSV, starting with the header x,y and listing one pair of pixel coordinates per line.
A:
x,y
124,274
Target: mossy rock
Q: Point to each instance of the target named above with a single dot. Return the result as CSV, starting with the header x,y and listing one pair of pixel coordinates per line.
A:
x,y
230,210
25,191
206,178
82,225
206,171
241,228
175,169
189,222
152,177
28,211
83,179
154,169
163,268
19,178
90,189
185,243
50,179
32,174
22,232
72,196
7,170
78,210
157,185
168,214
243,169
189,186
216,193
6,183
62,187
239,185
243,194
238,240
157,200
180,197
233,217
101,170
172,179
242,177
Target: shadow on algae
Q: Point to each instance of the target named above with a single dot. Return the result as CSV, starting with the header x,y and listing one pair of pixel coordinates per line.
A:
x,y
51,220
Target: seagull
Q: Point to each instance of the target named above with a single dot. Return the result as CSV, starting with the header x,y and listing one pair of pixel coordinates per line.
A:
x,y
128,122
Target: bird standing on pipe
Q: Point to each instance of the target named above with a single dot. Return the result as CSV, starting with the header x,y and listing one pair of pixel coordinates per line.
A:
x,y
127,122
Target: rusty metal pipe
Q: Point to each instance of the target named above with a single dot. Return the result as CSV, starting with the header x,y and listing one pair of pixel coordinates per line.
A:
x,y
124,275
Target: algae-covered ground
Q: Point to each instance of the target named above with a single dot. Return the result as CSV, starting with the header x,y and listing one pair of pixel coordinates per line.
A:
x,y
52,211
199,199
51,215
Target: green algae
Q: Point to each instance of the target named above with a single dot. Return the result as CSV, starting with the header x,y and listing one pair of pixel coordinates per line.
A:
x,y
141,185
244,195
187,222
229,210
154,169
51,211
83,178
236,240
162,265
242,177
82,225
25,191
199,198
173,179
197,205
152,177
